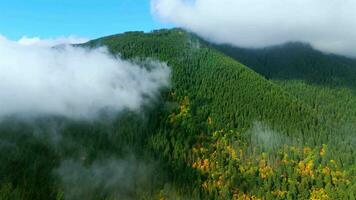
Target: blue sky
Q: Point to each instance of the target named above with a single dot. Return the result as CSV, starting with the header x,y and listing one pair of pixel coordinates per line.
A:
x,y
83,18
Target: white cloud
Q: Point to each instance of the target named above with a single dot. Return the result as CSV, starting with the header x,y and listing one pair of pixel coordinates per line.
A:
x,y
52,41
71,81
327,24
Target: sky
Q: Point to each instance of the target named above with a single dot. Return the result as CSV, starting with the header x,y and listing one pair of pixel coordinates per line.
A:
x,y
82,18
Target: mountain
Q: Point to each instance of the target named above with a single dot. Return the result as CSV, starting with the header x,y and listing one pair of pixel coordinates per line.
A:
x,y
224,130
326,82
297,61
218,87
217,93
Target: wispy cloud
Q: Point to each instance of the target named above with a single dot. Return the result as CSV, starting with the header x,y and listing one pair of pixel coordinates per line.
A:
x,y
113,178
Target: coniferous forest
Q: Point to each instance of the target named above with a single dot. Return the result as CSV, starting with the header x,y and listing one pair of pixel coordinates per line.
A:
x,y
235,123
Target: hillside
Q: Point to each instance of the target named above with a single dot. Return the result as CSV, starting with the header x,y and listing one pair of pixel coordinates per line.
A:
x,y
231,94
326,82
297,61
224,98
222,131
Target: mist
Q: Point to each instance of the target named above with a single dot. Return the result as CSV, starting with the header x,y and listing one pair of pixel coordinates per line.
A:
x,y
74,82
327,25
266,138
111,178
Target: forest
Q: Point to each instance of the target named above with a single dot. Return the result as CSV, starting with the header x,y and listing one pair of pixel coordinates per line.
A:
x,y
272,123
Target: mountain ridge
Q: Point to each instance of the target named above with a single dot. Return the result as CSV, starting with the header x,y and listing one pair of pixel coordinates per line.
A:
x,y
297,61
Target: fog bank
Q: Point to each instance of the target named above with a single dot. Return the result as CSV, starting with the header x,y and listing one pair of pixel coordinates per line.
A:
x,y
74,82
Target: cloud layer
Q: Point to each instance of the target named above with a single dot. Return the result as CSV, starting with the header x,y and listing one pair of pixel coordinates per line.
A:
x,y
328,25
71,81
52,41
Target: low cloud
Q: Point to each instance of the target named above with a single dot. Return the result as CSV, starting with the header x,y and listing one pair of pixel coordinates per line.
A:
x,y
25,40
327,24
267,139
73,82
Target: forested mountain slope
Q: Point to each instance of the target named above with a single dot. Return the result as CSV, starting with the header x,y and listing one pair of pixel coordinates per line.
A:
x,y
218,87
326,82
220,102
221,131
297,61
